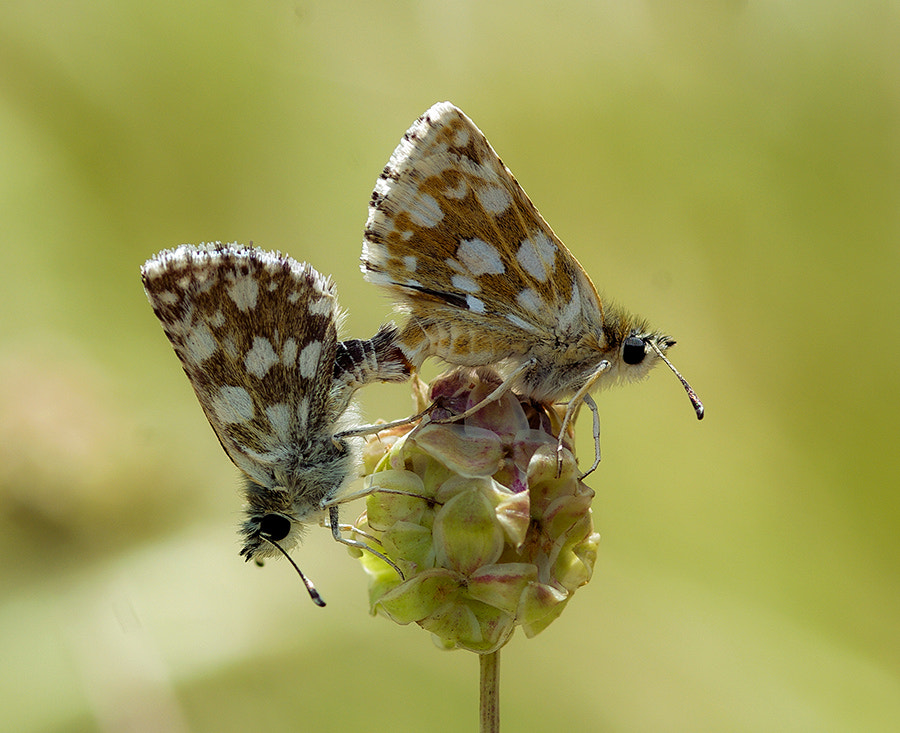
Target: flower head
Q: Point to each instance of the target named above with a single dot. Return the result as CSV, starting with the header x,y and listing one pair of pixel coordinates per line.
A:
x,y
490,530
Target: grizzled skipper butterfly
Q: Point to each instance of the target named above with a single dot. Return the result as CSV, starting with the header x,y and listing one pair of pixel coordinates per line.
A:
x,y
485,281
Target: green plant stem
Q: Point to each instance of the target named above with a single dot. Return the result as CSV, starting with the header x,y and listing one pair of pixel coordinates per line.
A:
x,y
490,692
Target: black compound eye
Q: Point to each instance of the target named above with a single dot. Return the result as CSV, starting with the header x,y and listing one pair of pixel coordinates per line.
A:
x,y
274,527
633,350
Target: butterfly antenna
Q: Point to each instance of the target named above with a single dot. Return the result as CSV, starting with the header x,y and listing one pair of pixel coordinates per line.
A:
x,y
313,593
692,396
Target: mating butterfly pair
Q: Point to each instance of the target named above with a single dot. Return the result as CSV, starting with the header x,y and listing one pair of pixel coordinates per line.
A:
x,y
455,240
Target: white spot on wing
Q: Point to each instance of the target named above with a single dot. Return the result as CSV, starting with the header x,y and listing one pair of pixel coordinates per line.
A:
x,y
410,262
475,305
217,320
289,352
378,278
280,419
244,293
199,343
303,414
466,284
425,211
529,300
261,357
537,256
309,359
568,318
494,199
233,405
454,265
480,258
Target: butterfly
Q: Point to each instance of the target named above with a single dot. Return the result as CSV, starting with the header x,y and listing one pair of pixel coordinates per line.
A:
x,y
463,251
257,336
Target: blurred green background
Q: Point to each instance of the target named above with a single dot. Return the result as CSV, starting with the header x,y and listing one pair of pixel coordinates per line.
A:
x,y
730,170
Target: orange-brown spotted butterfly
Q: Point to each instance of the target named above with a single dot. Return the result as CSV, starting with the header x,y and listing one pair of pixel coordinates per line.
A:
x,y
485,281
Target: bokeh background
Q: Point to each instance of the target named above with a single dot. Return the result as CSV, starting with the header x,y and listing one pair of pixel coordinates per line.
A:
x,y
728,169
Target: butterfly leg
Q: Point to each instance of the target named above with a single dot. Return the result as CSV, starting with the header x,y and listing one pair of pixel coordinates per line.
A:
x,y
334,522
354,528
501,390
378,427
596,413
373,490
582,395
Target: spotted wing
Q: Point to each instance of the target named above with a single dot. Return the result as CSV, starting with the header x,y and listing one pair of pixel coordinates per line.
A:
x,y
256,333
454,237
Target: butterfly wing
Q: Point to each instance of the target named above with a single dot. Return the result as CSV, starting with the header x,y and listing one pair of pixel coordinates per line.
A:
x,y
256,333
457,241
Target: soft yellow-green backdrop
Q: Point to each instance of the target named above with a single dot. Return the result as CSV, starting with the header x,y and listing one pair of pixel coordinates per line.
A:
x,y
730,170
